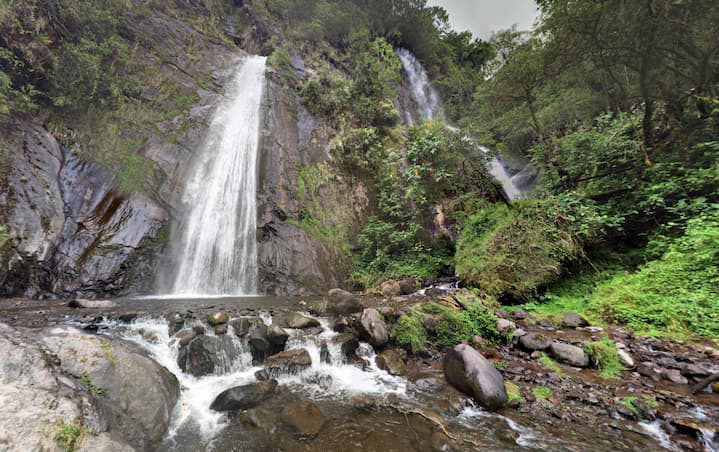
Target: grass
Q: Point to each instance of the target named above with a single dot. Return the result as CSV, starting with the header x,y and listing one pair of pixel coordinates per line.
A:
x,y
628,402
69,436
606,357
513,393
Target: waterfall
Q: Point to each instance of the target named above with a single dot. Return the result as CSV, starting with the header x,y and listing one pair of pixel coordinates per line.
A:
x,y
429,107
217,250
422,92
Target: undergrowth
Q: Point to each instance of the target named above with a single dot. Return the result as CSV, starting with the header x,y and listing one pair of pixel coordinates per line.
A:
x,y
606,357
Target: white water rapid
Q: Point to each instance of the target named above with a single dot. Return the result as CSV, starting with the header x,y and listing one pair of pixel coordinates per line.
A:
x,y
429,108
217,252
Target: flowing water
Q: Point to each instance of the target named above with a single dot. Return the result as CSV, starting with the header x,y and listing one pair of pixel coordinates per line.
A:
x,y
428,107
217,252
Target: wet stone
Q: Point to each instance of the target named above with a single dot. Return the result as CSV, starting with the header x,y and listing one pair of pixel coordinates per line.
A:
x,y
244,397
305,418
288,362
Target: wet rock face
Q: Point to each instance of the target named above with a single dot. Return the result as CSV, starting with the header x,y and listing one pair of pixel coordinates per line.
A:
x,y
470,372
74,232
391,361
289,362
342,302
114,390
244,397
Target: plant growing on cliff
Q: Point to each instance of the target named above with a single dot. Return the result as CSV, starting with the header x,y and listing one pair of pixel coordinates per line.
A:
x,y
69,436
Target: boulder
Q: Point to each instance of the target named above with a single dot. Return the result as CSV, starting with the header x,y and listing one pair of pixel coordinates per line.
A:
x,y
185,336
573,320
127,317
277,336
408,286
244,397
535,341
520,314
390,288
505,326
675,376
122,397
391,361
470,372
372,327
305,418
175,324
259,342
205,355
649,369
299,321
218,318
694,370
243,325
625,358
342,302
347,342
569,354
288,362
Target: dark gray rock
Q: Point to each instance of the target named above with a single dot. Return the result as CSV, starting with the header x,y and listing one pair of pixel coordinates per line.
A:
x,y
277,336
244,397
470,372
299,321
342,302
288,362
569,354
205,355
305,418
573,320
372,327
392,362
243,325
694,370
535,342
520,314
649,369
675,376
348,342
259,342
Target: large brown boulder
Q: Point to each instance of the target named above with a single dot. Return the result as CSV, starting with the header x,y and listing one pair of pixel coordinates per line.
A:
x,y
342,302
372,327
470,372
244,397
288,362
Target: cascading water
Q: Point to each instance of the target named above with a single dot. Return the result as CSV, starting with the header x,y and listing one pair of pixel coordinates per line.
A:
x,y
422,92
429,107
217,253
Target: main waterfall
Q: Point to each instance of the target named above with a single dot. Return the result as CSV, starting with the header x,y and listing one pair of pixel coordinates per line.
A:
x,y
217,253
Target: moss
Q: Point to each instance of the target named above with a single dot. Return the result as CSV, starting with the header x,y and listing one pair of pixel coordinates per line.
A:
x,y
606,357
628,402
513,393
542,393
476,319
550,364
410,331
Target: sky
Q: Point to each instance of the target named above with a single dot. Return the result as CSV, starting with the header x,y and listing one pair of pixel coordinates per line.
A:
x,y
482,17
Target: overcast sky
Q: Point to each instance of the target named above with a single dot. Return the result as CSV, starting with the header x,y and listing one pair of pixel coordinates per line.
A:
x,y
482,17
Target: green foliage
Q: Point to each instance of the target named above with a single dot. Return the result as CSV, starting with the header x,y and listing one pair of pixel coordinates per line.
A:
x,y
606,357
514,251
410,331
628,402
674,295
69,436
455,326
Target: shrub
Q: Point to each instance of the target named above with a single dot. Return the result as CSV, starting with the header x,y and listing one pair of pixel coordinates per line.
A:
x,y
69,435
515,251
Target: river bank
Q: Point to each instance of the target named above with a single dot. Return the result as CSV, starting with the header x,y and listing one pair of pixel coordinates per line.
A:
x,y
362,397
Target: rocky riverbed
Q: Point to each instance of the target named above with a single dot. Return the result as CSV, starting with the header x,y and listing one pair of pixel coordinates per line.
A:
x,y
325,374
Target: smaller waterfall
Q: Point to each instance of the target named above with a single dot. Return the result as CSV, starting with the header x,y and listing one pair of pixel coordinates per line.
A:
x,y
422,92
429,107
217,253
